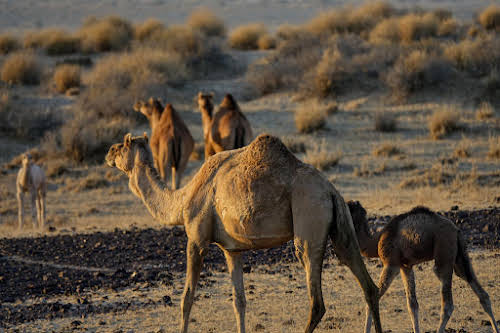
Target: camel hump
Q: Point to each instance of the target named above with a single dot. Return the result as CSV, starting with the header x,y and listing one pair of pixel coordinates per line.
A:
x,y
268,151
229,102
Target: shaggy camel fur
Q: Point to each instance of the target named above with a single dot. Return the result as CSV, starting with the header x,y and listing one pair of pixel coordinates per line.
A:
x,y
259,196
409,239
227,129
171,142
31,178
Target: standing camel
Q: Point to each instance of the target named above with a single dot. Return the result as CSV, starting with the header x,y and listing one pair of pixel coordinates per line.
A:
x,y
256,197
31,178
412,238
227,129
171,141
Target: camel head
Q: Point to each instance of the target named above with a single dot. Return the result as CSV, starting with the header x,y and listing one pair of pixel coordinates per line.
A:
x,y
133,151
27,159
205,102
150,108
358,214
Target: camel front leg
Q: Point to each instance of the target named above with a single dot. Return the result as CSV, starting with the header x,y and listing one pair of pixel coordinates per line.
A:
x,y
411,296
235,267
386,277
34,208
20,207
41,199
194,264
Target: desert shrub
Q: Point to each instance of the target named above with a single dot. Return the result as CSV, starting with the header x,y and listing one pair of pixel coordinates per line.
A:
x,y
447,28
386,149
385,122
21,68
179,39
310,117
91,182
386,31
490,17
491,86
443,122
266,42
66,76
107,34
289,32
295,144
245,37
462,149
417,71
485,111
147,29
53,41
322,158
478,56
206,22
138,72
8,43
494,148
414,27
22,120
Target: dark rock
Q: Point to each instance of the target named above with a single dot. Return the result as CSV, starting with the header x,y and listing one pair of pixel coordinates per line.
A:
x,y
167,300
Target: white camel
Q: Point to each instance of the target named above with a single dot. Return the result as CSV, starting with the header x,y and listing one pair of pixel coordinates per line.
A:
x,y
31,178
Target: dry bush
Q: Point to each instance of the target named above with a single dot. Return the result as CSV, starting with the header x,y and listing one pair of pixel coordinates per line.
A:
x,y
266,42
295,144
8,43
288,32
417,71
462,150
443,122
494,148
447,28
138,73
54,41
310,117
414,27
92,181
206,22
66,77
321,158
179,39
478,56
56,168
246,37
386,149
485,111
386,31
107,34
385,122
21,68
330,22
435,176
490,17
147,29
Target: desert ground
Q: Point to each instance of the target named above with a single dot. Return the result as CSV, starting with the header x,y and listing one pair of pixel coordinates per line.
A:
x,y
103,264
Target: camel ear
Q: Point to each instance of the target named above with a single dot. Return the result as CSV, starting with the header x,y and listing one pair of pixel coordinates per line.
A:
x,y
127,139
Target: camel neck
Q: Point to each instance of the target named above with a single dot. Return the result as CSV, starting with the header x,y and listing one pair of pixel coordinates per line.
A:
x,y
206,119
368,243
25,175
164,204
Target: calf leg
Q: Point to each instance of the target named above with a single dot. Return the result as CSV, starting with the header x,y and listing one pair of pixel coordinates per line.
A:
x,y
33,208
20,207
445,276
411,296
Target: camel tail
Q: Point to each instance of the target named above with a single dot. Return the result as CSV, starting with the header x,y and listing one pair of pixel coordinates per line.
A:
x,y
239,137
346,246
463,266
175,146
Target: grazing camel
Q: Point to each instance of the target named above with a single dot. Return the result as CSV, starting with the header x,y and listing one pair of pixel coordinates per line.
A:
x,y
259,196
31,178
227,129
171,142
409,239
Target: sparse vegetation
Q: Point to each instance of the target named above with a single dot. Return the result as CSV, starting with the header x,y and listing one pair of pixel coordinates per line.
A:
x,y
246,37
8,43
21,68
147,29
310,117
53,41
385,122
494,147
490,17
321,157
463,149
106,34
266,42
66,77
206,22
485,111
443,122
295,144
386,149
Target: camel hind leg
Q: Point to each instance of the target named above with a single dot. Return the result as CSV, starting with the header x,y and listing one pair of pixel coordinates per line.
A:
x,y
20,207
443,268
41,207
411,296
194,265
463,269
34,208
235,267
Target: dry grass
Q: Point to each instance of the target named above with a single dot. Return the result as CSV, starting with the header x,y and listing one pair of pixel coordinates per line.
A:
x,y
295,144
179,39
246,37
494,147
8,43
414,27
443,121
477,56
21,68
206,22
485,111
321,157
386,149
386,31
147,29
66,77
107,34
463,149
448,28
385,122
266,42
310,117
490,17
92,181
54,41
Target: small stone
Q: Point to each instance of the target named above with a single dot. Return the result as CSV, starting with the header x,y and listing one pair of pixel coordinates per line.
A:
x,y
485,323
454,207
167,300
259,327
76,323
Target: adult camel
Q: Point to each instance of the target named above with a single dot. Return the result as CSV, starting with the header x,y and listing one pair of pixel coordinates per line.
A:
x,y
171,141
259,196
227,129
